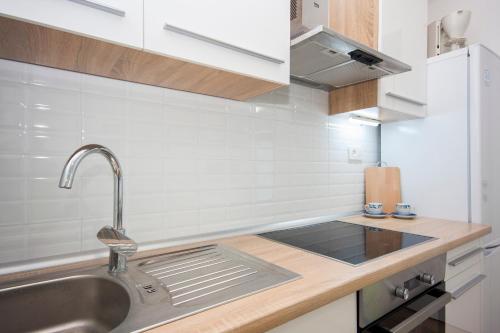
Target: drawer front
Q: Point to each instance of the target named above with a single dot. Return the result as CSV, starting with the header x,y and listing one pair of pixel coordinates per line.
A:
x,y
117,21
462,258
246,37
464,311
322,321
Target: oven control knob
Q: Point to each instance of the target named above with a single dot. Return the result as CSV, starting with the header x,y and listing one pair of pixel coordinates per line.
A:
x,y
427,278
402,293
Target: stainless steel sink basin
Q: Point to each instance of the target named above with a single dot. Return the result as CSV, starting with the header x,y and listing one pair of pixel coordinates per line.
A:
x,y
153,291
75,304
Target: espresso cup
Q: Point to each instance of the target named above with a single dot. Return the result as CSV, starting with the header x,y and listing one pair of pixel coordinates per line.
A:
x,y
403,208
374,208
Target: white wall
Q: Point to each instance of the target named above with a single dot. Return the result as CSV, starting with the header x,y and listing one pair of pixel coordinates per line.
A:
x,y
192,164
484,26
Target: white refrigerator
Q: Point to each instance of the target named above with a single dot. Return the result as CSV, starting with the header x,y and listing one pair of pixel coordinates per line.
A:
x,y
450,160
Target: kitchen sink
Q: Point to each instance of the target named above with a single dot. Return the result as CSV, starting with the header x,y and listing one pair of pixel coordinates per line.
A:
x,y
151,292
79,303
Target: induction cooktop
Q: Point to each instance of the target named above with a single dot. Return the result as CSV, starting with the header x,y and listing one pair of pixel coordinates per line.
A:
x,y
347,242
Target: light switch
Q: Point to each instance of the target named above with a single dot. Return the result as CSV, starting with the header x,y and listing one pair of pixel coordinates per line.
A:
x,y
354,153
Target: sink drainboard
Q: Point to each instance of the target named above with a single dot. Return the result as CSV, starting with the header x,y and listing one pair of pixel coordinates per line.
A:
x,y
212,274
153,291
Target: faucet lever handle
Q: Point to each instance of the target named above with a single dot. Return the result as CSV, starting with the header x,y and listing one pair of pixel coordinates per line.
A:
x,y
117,241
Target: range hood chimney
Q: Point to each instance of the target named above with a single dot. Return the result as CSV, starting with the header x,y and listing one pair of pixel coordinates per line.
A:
x,y
324,59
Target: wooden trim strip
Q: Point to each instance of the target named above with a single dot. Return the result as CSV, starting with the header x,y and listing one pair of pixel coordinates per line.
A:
x,y
34,44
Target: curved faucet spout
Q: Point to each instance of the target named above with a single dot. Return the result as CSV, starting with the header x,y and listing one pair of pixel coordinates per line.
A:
x,y
69,170
120,245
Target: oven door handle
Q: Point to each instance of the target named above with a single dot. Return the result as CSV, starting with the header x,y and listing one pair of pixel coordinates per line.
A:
x,y
422,315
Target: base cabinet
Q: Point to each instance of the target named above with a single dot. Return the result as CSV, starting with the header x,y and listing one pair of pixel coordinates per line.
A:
x,y
464,312
338,316
464,278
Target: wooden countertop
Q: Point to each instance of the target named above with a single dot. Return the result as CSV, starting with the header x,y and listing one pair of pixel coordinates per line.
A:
x,y
323,280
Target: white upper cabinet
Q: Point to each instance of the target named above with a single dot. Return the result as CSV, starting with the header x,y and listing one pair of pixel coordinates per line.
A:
x,y
403,35
246,37
117,21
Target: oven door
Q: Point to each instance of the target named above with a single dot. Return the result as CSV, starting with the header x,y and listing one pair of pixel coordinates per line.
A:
x,y
424,314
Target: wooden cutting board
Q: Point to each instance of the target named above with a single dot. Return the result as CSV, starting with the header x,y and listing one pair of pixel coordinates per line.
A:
x,y
383,184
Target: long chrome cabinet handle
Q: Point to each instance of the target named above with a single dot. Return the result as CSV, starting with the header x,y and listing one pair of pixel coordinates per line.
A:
x,y
100,6
461,259
468,285
221,43
406,99
422,315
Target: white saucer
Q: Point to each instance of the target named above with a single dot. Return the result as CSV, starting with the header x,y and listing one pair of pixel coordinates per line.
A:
x,y
376,216
404,216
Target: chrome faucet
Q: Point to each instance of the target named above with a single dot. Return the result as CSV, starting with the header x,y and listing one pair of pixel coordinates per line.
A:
x,y
120,246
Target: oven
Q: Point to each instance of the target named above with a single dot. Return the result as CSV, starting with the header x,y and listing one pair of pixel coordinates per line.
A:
x,y
410,301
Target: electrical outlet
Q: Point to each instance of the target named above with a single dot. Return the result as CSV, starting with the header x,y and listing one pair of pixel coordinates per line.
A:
x,y
354,153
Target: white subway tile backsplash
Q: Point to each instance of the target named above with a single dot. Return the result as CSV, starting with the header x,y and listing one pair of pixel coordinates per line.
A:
x,y
12,115
104,86
12,141
13,213
49,120
97,207
40,166
47,188
13,71
52,210
12,189
49,77
104,126
144,204
47,98
137,109
181,182
52,238
12,93
90,227
12,165
144,227
52,142
179,201
152,166
146,93
13,240
212,218
143,184
192,163
181,223
105,106
174,114
212,119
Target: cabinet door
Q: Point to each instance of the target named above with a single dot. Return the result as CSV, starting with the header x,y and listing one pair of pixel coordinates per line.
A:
x,y
117,21
246,37
403,35
463,313
338,316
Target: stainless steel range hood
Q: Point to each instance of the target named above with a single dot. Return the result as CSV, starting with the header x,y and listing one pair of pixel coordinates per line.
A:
x,y
324,59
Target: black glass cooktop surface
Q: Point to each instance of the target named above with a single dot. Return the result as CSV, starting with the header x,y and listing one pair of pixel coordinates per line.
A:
x,y
348,242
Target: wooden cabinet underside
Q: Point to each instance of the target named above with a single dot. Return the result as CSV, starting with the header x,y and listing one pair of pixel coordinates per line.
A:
x,y
40,45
